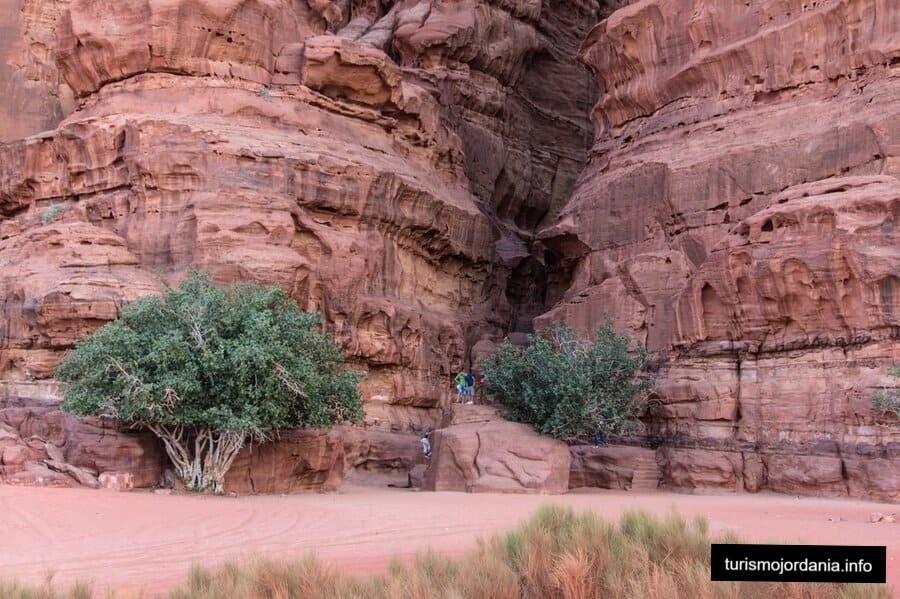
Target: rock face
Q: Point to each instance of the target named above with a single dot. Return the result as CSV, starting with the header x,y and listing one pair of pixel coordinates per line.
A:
x,y
614,467
42,445
423,172
35,97
496,456
386,163
379,458
738,214
298,460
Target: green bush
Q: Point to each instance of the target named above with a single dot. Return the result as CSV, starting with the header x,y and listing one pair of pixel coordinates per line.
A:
x,y
209,369
888,400
566,387
53,212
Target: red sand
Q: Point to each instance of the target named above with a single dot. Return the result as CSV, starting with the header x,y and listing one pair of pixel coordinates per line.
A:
x,y
141,540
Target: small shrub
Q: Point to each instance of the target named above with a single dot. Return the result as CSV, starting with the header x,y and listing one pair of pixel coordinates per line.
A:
x,y
888,399
569,388
53,212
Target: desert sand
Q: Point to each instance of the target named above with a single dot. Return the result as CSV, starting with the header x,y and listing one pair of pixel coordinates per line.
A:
x,y
147,541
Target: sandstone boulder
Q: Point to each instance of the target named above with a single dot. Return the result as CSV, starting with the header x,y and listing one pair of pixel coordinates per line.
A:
x,y
810,475
116,481
496,456
81,447
417,476
39,475
81,476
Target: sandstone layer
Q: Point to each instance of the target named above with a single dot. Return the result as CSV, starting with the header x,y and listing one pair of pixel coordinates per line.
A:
x,y
40,445
298,460
614,467
386,163
738,214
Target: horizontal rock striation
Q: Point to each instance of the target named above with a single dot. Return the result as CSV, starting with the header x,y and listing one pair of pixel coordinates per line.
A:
x,y
739,215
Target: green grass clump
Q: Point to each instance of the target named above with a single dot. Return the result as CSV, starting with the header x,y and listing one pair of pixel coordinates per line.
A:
x,y
888,399
558,554
53,212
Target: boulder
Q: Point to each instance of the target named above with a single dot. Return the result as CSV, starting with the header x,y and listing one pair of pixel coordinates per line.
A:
x,y
496,456
39,475
75,446
82,476
809,475
116,481
417,476
699,469
104,449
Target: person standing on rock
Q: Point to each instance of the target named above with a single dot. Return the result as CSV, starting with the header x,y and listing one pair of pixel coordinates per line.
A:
x,y
482,381
470,387
460,387
426,444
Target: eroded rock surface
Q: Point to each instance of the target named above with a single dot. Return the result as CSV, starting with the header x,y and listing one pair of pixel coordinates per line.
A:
x,y
387,163
35,97
496,456
42,445
614,467
298,460
409,168
739,215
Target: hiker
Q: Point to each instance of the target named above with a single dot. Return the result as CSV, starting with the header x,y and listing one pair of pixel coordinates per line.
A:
x,y
600,438
482,381
460,387
470,387
426,444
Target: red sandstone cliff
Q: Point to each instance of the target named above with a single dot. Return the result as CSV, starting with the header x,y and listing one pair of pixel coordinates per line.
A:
x,y
739,213
409,168
385,162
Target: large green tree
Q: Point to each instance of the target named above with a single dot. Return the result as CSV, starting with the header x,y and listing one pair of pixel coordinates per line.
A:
x,y
209,369
567,387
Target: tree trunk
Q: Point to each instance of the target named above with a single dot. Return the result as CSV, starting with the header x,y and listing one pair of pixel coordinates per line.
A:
x,y
201,457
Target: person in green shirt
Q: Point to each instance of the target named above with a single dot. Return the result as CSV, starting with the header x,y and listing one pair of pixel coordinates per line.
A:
x,y
461,387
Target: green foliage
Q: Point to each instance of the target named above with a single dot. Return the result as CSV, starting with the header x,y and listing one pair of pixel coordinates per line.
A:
x,y
53,212
566,387
238,359
888,400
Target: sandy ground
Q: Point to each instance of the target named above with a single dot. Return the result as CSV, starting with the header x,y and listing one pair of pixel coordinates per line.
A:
x,y
144,541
